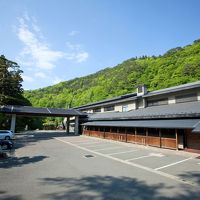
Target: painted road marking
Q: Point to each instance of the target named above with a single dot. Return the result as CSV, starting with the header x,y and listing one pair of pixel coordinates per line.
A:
x,y
172,164
97,145
110,154
138,158
89,143
77,142
150,155
106,148
160,155
132,164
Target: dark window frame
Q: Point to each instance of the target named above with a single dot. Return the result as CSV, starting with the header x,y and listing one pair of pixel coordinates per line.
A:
x,y
106,128
109,108
157,102
168,133
153,132
112,129
95,110
186,98
142,133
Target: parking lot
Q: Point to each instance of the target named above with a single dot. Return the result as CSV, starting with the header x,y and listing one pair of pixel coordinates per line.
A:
x,y
56,166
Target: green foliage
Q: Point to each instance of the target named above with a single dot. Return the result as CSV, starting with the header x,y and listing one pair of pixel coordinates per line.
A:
x,y
49,125
177,66
10,82
11,93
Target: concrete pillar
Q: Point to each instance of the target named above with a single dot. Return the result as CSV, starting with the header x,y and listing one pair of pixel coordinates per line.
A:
x,y
67,125
76,131
13,121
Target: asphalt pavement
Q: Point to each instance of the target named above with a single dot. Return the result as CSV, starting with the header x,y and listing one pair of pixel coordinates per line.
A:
x,y
52,165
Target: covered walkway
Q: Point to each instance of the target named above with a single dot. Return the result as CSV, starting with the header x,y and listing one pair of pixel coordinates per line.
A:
x,y
43,112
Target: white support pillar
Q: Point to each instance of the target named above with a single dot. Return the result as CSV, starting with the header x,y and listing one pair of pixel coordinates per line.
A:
x,y
13,121
76,131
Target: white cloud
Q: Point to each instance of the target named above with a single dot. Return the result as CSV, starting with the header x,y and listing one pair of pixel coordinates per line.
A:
x,y
72,33
81,57
40,74
37,51
37,56
78,53
27,78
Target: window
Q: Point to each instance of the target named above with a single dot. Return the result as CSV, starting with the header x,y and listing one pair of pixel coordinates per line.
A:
x,y
186,98
91,128
96,128
130,131
101,129
122,130
168,133
97,110
157,102
107,129
125,108
141,131
140,89
109,108
114,129
154,132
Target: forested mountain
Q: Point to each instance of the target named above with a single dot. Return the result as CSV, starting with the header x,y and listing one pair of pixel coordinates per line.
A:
x,y
177,66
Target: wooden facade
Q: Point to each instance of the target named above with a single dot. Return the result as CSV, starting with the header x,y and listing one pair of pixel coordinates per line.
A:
x,y
143,138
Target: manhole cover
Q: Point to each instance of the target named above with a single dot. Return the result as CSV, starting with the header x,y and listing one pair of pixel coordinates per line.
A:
x,y
88,156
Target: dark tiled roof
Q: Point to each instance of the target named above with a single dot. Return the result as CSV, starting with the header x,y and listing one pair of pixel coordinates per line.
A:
x,y
174,89
133,96
181,110
177,123
29,110
107,101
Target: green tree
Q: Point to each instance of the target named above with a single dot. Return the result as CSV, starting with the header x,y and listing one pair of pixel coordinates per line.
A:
x,y
10,83
11,91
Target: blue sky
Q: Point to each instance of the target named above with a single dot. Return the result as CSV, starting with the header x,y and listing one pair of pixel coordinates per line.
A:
x,y
58,40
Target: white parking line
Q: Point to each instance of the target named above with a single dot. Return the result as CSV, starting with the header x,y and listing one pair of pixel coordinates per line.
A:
x,y
110,154
150,155
89,143
172,164
97,145
107,148
77,142
131,164
138,158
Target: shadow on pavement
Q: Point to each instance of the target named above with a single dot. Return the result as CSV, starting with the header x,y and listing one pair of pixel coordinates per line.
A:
x,y
111,188
18,162
194,176
16,197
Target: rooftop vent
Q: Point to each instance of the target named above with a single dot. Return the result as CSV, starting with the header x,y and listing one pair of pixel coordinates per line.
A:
x,y
141,89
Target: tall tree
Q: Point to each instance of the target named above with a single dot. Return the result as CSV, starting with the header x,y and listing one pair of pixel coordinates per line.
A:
x,y
10,83
11,91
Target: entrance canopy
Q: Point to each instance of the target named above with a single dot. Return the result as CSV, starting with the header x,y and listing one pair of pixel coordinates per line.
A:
x,y
46,112
36,111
